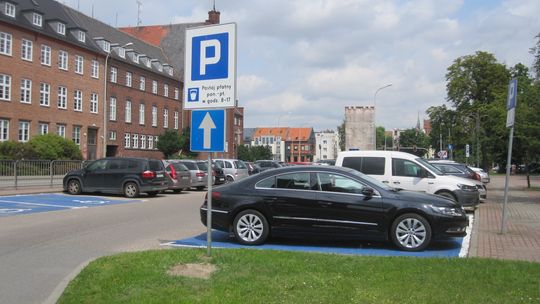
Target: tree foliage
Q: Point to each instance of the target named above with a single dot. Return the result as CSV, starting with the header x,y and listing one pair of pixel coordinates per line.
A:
x,y
46,147
535,51
341,134
170,143
383,140
253,153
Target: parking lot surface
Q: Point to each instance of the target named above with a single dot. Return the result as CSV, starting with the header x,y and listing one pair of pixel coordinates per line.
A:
x,y
32,203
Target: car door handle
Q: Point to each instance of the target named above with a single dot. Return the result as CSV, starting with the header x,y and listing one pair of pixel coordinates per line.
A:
x,y
397,183
386,182
271,199
324,204
430,183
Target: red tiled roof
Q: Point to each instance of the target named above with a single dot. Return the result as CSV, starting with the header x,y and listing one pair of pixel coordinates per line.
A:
x,y
303,133
151,34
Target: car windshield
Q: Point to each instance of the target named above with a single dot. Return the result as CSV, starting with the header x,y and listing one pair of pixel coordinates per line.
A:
x,y
372,180
424,163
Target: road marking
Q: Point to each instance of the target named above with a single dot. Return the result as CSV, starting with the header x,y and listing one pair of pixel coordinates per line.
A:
x,y
44,205
92,202
10,211
466,240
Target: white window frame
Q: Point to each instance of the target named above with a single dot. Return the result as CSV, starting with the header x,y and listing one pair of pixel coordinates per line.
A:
x,y
77,100
122,52
81,36
61,130
5,87
61,28
142,83
141,114
79,64
129,79
166,118
95,69
176,93
94,103
156,139
112,135
112,109
166,90
24,131
127,112
37,19
114,75
10,9
63,60
44,94
6,43
154,86
43,128
150,142
154,116
26,49
76,135
62,97
4,130
46,55
143,142
135,141
26,90
176,120
127,140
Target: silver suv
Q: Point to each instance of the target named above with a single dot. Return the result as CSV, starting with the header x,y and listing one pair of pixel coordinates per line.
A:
x,y
234,169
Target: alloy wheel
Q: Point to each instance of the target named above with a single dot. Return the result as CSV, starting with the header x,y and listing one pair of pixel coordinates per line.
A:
x,y
411,233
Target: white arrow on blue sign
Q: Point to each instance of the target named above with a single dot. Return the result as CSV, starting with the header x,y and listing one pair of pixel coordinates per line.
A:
x,y
207,131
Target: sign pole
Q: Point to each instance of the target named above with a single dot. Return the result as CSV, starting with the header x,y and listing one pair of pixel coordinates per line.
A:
x,y
510,121
209,210
507,181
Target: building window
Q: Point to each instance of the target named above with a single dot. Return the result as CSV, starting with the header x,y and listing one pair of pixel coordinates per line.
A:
x,y
127,140
44,94
26,50
156,139
61,130
129,79
24,131
37,19
112,135
171,71
166,90
128,111
176,93
141,114
76,136
77,101
79,64
143,141
114,74
154,87
81,36
150,142
95,69
4,130
45,55
43,128
63,60
26,91
106,46
154,116
112,109
122,52
165,118
176,120
135,141
9,9
61,28
142,83
94,103
62,97
5,43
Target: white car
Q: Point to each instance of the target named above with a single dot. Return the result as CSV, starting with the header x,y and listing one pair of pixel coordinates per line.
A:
x,y
484,176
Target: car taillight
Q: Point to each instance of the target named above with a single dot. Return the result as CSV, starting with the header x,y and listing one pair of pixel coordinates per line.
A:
x,y
149,174
216,195
173,172
200,174
477,177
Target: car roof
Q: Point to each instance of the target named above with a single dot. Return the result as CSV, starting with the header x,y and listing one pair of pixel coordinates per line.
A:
x,y
376,153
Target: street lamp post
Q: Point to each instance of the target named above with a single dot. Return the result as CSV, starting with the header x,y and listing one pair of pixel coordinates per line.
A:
x,y
105,100
375,107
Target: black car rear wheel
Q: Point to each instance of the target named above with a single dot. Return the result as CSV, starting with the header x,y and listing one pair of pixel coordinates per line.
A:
x,y
411,232
131,190
176,191
153,193
74,187
250,227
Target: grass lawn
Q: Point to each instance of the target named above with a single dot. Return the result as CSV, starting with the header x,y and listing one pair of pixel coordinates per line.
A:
x,y
260,276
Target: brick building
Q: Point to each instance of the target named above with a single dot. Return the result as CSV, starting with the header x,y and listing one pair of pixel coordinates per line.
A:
x,y
287,144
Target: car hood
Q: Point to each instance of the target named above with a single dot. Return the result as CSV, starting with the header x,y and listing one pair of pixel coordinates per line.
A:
x,y
426,198
76,172
460,180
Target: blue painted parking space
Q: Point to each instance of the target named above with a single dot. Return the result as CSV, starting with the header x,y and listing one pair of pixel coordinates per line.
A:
x,y
32,203
455,247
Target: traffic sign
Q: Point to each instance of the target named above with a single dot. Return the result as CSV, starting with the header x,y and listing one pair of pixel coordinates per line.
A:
x,y
207,131
210,67
467,150
442,154
450,147
511,102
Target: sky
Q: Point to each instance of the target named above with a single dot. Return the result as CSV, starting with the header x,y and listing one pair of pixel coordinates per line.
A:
x,y
301,62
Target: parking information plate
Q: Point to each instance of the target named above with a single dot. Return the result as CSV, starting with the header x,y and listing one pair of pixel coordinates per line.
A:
x,y
210,67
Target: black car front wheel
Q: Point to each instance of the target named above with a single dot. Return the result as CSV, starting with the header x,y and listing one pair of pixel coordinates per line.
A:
x,y
131,190
411,232
250,227
74,187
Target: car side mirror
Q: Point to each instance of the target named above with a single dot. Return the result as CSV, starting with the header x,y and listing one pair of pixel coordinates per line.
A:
x,y
367,191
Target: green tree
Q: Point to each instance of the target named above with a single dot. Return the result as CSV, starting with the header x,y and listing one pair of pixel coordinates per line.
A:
x,y
170,143
51,147
16,150
535,51
341,133
413,138
253,153
383,140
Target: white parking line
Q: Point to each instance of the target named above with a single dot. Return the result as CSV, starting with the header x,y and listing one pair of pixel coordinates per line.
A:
x,y
466,240
38,204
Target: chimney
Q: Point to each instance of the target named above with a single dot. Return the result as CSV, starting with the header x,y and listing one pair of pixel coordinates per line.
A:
x,y
213,16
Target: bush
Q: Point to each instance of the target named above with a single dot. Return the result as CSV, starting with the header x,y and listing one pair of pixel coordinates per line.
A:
x,y
17,150
52,146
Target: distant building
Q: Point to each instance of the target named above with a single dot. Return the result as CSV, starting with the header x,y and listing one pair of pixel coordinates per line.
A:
x,y
326,145
287,144
427,126
360,128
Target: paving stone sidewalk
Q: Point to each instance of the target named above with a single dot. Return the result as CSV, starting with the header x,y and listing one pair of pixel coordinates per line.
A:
x,y
522,238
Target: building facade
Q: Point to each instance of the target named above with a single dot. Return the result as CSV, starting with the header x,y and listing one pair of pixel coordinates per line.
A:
x,y
360,128
326,145
287,144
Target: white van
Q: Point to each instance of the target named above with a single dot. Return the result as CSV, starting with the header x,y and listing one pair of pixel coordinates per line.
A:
x,y
410,172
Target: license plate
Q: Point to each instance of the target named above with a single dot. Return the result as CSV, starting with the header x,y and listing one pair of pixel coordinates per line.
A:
x,y
185,177
221,179
159,175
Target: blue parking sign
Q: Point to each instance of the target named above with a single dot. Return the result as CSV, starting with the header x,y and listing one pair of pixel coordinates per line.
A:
x,y
210,57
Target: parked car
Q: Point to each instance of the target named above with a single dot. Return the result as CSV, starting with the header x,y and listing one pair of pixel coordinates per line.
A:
x,y
331,202
127,176
410,172
218,175
199,178
462,170
484,176
234,169
327,162
253,168
268,164
178,175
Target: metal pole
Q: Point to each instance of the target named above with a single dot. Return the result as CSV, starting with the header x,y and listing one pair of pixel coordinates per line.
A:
x,y
105,106
478,139
209,208
507,181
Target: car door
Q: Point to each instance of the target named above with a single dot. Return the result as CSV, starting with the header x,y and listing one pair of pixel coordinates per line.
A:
x,y
113,176
409,175
93,176
345,209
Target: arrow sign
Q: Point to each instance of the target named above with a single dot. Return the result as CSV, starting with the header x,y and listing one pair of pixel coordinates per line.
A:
x,y
207,131
207,125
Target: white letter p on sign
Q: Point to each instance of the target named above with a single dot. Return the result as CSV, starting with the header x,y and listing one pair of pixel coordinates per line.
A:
x,y
205,44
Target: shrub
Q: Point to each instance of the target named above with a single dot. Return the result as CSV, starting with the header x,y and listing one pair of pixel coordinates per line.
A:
x,y
52,146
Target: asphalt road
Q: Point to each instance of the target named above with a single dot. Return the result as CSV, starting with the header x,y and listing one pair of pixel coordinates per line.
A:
x,y
39,251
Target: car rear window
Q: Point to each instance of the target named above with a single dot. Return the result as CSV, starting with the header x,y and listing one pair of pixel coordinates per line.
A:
x,y
179,167
191,166
202,166
155,165
366,165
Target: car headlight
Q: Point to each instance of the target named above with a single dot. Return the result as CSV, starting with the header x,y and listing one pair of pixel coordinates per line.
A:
x,y
450,211
466,187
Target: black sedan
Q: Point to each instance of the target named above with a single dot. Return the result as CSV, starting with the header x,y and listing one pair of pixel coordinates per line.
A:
x,y
331,202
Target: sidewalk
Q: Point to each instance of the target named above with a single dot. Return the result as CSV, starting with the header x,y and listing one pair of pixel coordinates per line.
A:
x,y
30,190
522,238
